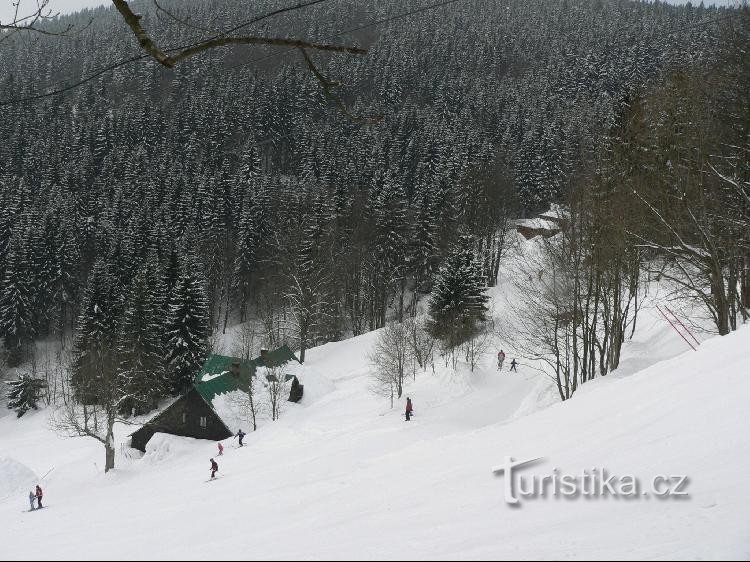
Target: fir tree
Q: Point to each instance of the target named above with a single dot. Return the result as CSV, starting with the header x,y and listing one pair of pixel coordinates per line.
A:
x,y
95,361
187,329
138,349
248,236
23,394
16,302
458,302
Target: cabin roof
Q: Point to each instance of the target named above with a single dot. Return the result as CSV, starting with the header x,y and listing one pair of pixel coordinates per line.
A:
x,y
215,376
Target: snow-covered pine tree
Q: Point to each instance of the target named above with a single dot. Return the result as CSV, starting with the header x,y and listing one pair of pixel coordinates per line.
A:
x,y
424,251
245,255
390,246
458,303
139,349
95,360
23,394
187,328
16,302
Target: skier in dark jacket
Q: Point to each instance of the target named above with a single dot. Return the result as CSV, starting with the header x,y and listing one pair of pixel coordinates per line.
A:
x,y
214,469
241,434
39,495
513,365
409,409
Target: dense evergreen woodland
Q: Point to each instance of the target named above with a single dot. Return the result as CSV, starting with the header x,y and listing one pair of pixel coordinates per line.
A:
x,y
147,209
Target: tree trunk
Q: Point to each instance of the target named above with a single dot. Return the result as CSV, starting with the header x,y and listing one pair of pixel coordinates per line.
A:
x,y
109,445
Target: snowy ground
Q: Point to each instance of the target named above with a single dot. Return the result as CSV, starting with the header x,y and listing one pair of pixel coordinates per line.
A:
x,y
343,476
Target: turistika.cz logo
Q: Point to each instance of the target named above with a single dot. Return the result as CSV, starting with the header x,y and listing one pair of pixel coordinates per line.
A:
x,y
594,483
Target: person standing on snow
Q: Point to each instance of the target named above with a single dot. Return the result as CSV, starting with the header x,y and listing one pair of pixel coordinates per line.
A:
x,y
409,409
513,365
214,469
221,448
241,434
500,360
39,496
32,497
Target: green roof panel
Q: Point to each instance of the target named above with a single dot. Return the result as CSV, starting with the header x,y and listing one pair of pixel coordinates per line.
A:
x,y
220,379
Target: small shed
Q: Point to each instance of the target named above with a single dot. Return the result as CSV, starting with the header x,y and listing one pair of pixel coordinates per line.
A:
x,y
531,228
547,224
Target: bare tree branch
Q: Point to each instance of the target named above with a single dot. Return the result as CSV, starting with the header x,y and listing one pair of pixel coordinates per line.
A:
x,y
328,87
149,45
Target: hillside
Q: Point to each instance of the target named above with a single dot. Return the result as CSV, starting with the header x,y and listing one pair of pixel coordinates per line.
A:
x,y
343,476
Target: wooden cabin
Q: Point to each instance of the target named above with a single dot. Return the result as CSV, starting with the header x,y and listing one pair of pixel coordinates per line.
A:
x,y
194,415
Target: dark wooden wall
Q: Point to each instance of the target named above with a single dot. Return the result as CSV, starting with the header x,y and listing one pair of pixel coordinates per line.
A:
x,y
171,421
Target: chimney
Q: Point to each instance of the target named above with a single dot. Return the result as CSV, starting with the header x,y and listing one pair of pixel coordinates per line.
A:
x,y
235,369
263,353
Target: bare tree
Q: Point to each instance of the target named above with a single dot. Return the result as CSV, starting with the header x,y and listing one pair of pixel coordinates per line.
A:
x,y
392,358
475,347
248,405
696,227
278,386
31,21
306,299
421,342
535,321
92,409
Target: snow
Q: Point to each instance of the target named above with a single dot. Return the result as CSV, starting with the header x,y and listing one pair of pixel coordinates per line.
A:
x,y
343,476
16,478
538,223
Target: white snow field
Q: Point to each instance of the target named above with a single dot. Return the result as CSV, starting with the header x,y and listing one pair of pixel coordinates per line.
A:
x,y
342,476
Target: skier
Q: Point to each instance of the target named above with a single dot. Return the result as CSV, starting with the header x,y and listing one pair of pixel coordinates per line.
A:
x,y
221,448
214,469
409,409
513,365
32,497
39,496
500,360
241,434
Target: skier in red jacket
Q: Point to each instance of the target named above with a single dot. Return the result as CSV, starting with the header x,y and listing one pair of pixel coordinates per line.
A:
x,y
409,409
221,448
500,359
39,495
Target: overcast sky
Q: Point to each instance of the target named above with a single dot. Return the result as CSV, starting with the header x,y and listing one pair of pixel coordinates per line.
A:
x,y
61,6
67,6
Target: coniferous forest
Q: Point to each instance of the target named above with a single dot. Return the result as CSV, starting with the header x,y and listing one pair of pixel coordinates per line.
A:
x,y
146,209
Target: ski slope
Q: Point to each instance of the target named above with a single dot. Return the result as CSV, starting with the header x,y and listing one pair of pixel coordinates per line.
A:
x,y
343,476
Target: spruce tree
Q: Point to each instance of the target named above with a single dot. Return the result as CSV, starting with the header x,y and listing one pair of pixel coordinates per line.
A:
x,y
16,303
187,328
140,363
245,256
23,394
458,302
95,361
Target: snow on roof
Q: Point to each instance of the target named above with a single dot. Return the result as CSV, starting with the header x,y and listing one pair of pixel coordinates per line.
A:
x,y
209,377
555,213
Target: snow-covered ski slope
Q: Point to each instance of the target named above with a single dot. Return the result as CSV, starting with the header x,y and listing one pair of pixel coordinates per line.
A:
x,y
342,476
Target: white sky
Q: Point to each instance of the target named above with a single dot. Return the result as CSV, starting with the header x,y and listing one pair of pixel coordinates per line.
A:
x,y
67,6
7,8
